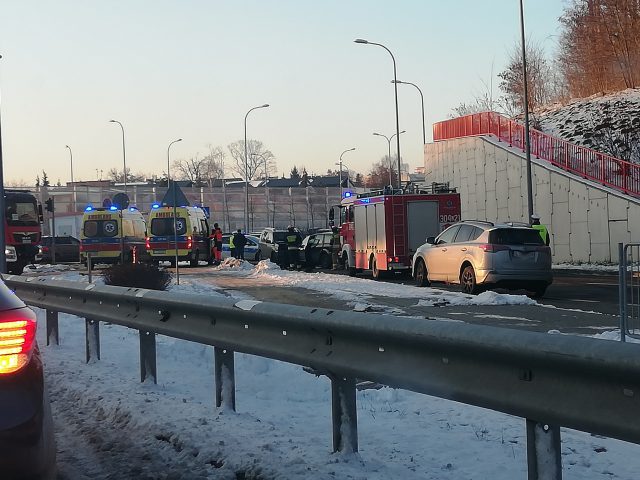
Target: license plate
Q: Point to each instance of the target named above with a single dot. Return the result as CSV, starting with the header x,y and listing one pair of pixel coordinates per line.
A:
x,y
26,240
159,251
524,255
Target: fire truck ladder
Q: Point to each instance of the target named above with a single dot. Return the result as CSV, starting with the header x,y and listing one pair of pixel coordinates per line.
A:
x,y
398,225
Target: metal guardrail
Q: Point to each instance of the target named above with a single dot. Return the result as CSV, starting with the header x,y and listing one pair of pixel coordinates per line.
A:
x,y
582,161
550,380
629,290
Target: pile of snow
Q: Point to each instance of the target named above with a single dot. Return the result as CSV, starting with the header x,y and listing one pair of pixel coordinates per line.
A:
x,y
234,264
606,123
45,268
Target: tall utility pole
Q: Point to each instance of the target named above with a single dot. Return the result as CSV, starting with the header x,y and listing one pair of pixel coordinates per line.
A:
x,y
175,213
124,155
424,134
526,115
340,174
388,139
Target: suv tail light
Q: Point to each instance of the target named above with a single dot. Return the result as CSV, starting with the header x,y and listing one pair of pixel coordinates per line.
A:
x,y
189,243
147,243
492,247
17,339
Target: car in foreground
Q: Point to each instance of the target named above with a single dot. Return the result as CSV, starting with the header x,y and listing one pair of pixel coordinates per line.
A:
x,y
67,249
251,249
482,255
27,446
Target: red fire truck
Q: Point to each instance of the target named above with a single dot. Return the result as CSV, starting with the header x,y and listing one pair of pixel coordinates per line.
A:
x,y
380,231
22,227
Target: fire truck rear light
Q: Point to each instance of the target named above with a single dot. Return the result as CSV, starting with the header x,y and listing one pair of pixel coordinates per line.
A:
x,y
17,339
389,259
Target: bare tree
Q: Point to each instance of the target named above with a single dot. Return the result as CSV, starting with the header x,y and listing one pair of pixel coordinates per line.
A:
x,y
117,176
257,154
382,174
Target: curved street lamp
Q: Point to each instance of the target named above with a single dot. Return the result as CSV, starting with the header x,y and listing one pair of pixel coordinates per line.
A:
x,y
388,139
124,156
424,136
175,214
246,170
340,175
395,87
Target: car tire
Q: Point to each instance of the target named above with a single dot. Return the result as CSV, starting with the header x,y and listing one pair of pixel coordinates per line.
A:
x,y
193,261
325,261
420,275
273,258
258,256
468,281
538,291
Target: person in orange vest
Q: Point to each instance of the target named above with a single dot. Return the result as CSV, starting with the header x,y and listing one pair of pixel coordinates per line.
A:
x,y
216,242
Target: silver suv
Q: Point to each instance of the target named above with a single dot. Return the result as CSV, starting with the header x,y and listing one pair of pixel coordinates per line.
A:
x,y
479,255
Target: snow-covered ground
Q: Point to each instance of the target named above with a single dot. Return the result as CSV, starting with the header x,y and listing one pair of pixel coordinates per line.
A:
x,y
111,426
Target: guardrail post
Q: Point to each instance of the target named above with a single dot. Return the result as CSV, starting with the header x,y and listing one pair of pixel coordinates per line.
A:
x,y
148,356
52,328
344,415
543,451
225,378
92,339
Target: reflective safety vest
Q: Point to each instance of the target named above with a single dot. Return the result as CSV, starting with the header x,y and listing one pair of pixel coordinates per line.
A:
x,y
231,245
542,230
291,239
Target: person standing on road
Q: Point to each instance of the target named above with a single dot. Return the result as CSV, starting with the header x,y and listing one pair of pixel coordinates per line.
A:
x,y
335,247
294,241
217,243
239,240
542,229
232,246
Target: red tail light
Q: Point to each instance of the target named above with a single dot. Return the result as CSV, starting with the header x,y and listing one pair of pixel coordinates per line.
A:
x,y
147,243
189,243
45,249
17,339
492,247
81,247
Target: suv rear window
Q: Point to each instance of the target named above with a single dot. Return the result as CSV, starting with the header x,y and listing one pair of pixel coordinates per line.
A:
x,y
515,236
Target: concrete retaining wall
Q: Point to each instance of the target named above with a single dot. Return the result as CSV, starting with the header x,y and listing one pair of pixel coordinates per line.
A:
x,y
586,220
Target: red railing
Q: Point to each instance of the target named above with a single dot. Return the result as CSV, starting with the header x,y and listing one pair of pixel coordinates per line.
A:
x,y
582,161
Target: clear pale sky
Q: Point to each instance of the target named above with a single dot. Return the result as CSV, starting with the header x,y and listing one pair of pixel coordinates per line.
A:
x,y
192,69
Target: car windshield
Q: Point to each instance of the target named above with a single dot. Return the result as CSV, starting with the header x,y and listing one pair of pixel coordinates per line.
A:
x,y
515,236
22,212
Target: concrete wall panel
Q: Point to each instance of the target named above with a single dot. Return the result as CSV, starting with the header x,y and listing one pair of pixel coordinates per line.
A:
x,y
586,220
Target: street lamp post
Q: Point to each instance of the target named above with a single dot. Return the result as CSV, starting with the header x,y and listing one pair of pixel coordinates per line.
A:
x,y
395,87
526,115
73,186
340,174
124,155
175,214
388,139
246,170
424,135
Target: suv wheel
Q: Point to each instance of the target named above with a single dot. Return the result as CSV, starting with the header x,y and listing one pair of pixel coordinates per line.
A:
x,y
539,290
468,281
420,274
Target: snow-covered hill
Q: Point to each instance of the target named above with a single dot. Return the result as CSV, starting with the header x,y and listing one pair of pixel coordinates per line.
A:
x,y
607,123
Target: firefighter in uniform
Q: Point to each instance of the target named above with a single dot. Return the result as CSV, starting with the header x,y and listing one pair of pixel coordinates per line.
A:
x,y
294,241
542,229
335,247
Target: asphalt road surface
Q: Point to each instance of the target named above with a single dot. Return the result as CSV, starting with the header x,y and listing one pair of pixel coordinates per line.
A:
x,y
581,303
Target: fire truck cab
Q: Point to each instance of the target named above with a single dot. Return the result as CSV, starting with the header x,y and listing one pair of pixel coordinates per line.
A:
x,y
381,230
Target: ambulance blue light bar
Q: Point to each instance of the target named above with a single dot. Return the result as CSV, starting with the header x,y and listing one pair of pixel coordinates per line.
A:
x,y
88,209
347,194
113,208
155,205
